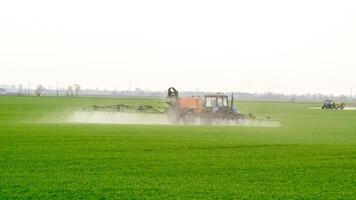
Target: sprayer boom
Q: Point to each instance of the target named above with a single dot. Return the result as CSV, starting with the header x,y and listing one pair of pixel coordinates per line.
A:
x,y
212,108
131,109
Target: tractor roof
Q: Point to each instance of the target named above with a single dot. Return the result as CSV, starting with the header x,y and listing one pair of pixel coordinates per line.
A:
x,y
216,95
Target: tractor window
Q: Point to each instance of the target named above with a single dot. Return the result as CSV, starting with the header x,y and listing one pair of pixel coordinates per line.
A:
x,y
210,101
225,102
222,101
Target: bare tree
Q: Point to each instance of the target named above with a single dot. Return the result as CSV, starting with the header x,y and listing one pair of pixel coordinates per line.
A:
x,y
39,90
77,89
70,91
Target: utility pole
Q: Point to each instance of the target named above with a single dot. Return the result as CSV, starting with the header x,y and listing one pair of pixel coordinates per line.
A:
x,y
49,90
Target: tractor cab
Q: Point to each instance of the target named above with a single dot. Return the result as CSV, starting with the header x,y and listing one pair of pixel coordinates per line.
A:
x,y
214,103
328,104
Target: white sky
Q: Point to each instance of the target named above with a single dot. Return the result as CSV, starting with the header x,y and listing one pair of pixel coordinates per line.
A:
x,y
256,45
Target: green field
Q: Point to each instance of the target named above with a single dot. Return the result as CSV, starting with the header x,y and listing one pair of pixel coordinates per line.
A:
x,y
312,155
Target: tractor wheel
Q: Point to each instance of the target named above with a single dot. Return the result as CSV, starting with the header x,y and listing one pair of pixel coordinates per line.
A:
x,y
188,118
173,115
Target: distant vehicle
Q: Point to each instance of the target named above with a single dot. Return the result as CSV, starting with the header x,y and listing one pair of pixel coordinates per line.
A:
x,y
331,105
2,91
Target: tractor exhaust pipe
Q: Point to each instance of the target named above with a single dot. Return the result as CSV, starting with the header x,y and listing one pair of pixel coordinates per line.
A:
x,y
232,101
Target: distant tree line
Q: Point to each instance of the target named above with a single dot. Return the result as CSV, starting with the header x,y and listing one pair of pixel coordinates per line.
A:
x,y
75,89
40,90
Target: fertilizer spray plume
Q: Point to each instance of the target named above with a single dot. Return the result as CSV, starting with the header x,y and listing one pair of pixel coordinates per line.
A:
x,y
104,117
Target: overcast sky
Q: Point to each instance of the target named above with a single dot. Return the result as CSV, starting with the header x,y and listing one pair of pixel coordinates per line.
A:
x,y
255,46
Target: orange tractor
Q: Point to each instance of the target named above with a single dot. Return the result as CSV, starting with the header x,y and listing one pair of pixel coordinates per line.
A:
x,y
209,109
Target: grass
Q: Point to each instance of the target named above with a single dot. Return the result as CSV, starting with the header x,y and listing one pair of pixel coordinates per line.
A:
x,y
312,155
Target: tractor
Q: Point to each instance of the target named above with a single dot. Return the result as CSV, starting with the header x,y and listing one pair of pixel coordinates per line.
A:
x,y
211,108
331,105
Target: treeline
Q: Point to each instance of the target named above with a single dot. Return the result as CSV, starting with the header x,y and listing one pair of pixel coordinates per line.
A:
x,y
75,90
